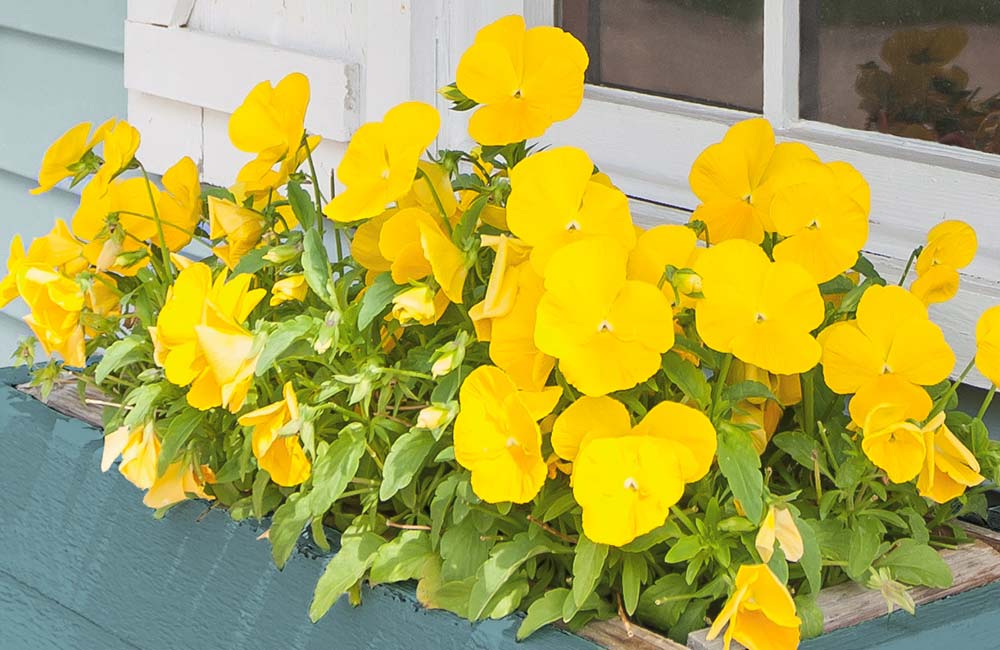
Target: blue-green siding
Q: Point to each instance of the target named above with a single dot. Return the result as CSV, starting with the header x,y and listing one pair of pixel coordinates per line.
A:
x,y
60,64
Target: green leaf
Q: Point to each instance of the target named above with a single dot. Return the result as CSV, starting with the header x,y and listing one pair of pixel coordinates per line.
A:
x,y
462,235
851,472
278,341
357,553
740,464
505,559
866,537
178,432
917,564
143,402
635,571
302,206
588,563
252,262
316,266
741,390
376,299
685,549
810,614
688,378
257,492
867,269
404,558
811,560
336,464
119,354
404,460
545,610
803,449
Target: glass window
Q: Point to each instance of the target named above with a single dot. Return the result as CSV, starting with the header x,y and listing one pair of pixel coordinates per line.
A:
x,y
924,69
707,51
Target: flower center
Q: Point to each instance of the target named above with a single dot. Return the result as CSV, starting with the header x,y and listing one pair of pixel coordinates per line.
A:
x,y
512,442
630,484
760,318
573,225
605,326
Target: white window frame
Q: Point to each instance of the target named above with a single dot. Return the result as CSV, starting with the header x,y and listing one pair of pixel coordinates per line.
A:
x,y
647,144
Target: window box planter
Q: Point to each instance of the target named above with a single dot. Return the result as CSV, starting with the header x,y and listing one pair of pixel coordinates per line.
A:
x,y
134,582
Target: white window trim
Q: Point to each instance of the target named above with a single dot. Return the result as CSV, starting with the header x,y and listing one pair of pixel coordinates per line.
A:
x,y
647,144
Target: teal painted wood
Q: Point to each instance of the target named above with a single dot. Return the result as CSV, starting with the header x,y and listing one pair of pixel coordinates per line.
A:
x,y
97,23
970,621
84,565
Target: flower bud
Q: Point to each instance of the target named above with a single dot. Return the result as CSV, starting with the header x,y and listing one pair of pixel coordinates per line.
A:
x,y
433,417
449,356
416,304
283,253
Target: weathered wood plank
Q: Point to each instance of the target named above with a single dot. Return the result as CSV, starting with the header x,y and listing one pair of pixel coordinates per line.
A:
x,y
612,635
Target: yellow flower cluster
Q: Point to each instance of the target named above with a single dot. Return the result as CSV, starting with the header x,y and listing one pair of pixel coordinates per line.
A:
x,y
503,340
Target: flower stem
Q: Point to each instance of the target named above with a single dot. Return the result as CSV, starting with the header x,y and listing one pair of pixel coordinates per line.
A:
x,y
986,402
164,251
909,263
437,199
943,400
727,362
808,381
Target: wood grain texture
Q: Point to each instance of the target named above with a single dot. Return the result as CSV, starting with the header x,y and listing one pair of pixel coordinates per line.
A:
x,y
612,635
84,565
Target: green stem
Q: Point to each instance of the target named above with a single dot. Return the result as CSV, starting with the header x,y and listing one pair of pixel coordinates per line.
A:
x,y
808,381
986,402
909,263
168,225
943,400
720,381
437,199
677,512
317,195
829,450
164,251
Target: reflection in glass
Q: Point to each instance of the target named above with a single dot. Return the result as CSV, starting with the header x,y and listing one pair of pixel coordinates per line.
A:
x,y
707,51
918,69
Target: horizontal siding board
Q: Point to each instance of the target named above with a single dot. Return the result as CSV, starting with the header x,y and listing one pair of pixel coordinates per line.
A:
x,y
48,86
193,579
95,23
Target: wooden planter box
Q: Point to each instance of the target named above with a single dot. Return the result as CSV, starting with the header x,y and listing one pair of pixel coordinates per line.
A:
x,y
83,564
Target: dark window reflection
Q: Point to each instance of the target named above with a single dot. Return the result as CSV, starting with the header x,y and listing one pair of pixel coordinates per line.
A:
x,y
708,51
921,69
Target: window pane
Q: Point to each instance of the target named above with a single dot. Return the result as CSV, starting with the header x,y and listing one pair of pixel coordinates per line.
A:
x,y
922,69
708,51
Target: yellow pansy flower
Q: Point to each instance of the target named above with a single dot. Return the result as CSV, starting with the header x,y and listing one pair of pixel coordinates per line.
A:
x,y
951,245
761,311
121,142
176,483
58,249
502,286
497,436
524,79
626,478
65,152
764,414
587,419
988,344
55,302
554,200
139,448
415,246
949,467
886,409
271,118
736,178
293,287
625,486
239,228
199,338
116,218
824,226
607,332
760,613
512,335
891,334
380,163
779,526
431,191
281,456
179,204
662,246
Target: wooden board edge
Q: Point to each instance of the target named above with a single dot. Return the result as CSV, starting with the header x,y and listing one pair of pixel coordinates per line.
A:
x,y
612,635
65,399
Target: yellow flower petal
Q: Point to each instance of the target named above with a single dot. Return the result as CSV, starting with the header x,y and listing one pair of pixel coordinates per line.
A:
x,y
690,431
988,344
586,419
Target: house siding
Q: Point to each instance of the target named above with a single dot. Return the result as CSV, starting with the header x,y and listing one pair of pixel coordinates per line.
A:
x,y
60,64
